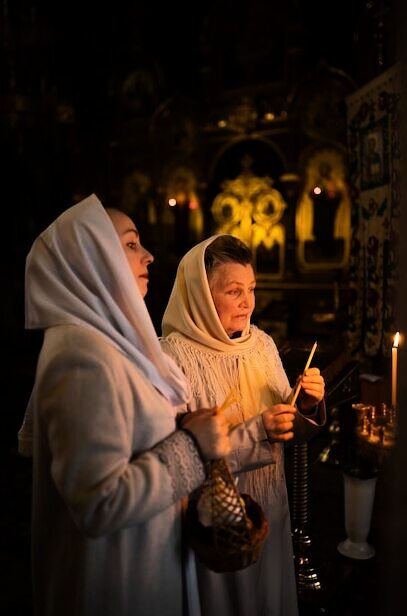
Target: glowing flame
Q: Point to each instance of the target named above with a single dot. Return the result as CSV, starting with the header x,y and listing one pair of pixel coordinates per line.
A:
x,y
396,340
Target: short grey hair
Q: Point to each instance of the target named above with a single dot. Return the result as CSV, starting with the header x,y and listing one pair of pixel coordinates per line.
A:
x,y
226,249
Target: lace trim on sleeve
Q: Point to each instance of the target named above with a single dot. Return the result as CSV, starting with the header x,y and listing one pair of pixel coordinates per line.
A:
x,y
179,454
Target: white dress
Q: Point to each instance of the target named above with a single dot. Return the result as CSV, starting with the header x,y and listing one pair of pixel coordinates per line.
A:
x,y
106,493
268,587
109,469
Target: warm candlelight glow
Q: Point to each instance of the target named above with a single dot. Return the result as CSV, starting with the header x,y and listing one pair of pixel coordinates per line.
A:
x,y
394,370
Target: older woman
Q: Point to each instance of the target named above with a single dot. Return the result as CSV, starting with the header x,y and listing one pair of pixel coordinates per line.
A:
x,y
207,330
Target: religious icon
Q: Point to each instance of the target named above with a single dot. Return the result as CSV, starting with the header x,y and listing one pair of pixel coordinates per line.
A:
x,y
182,208
374,155
323,214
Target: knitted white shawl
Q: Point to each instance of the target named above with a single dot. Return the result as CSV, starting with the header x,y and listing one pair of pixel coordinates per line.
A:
x,y
250,365
216,364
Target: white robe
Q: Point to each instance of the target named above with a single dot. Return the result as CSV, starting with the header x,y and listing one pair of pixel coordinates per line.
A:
x,y
106,515
268,587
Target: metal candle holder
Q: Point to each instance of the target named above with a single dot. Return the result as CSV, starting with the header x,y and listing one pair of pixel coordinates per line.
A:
x,y
376,427
375,435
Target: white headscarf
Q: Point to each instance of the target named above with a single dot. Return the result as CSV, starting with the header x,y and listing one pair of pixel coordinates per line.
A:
x,y
191,309
250,364
77,272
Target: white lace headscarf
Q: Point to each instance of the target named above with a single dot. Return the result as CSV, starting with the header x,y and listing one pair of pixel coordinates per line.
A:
x,y
77,272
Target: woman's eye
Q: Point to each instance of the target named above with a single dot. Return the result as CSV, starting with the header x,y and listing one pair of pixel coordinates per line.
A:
x,y
132,245
233,292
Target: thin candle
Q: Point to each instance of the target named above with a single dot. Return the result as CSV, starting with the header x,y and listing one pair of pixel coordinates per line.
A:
x,y
394,351
307,365
230,399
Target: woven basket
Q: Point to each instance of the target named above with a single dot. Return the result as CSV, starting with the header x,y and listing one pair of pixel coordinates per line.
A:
x,y
234,539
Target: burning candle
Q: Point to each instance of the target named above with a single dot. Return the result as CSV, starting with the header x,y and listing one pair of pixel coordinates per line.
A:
x,y
394,351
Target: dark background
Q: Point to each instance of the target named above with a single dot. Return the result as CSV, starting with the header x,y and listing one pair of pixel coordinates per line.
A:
x,y
89,92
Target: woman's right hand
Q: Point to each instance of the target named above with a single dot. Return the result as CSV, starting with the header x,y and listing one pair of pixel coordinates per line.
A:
x,y
279,422
211,430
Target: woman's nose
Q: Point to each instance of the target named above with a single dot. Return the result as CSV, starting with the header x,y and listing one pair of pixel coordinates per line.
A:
x,y
148,257
245,300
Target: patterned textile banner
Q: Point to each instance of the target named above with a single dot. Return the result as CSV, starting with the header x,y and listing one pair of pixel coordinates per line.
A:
x,y
374,177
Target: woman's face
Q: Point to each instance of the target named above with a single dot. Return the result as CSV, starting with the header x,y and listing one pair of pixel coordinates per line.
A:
x,y
232,287
138,257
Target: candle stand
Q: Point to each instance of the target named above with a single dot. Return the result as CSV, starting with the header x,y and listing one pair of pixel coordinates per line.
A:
x,y
375,427
307,576
375,435
359,498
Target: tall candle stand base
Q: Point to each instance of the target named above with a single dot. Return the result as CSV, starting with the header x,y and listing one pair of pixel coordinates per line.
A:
x,y
359,499
307,577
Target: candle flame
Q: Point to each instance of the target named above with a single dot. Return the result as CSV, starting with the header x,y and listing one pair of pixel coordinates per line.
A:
x,y
396,340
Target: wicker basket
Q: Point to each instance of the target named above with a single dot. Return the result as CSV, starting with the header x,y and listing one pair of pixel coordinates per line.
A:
x,y
234,539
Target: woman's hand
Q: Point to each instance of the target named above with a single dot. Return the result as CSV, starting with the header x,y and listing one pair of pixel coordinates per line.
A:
x,y
312,389
211,431
279,422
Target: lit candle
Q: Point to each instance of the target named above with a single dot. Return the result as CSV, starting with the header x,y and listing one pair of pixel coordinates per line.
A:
x,y
394,370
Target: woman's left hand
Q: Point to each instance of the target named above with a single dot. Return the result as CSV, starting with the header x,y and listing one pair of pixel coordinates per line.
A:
x,y
312,388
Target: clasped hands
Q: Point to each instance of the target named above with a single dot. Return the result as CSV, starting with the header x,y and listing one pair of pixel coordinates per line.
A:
x,y
211,431
279,419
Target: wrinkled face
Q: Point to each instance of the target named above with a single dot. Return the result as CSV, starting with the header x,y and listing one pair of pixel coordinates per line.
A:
x,y
232,287
138,257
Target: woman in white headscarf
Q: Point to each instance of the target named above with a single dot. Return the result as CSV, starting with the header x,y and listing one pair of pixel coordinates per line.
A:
x,y
109,468
206,329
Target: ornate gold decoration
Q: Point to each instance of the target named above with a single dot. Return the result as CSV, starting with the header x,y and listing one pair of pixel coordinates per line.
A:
x,y
323,243
250,208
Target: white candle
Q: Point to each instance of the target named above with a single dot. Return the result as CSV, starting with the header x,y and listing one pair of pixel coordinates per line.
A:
x,y
394,351
307,365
